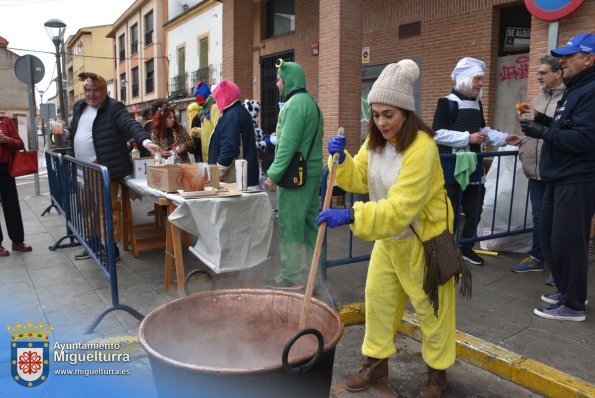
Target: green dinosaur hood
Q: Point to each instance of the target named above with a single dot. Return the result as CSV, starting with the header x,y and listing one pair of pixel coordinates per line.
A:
x,y
293,76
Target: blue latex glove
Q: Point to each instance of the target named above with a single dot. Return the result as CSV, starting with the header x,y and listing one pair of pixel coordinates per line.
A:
x,y
267,139
333,217
337,145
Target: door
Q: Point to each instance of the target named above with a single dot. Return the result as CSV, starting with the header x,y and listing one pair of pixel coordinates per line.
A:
x,y
269,93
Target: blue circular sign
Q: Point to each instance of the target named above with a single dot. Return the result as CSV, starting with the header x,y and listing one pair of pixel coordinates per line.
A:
x,y
552,10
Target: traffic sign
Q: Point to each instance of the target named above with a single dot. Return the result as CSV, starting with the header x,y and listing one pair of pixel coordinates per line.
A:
x,y
552,10
29,69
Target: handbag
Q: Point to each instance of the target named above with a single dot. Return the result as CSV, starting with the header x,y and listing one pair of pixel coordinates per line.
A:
x,y
444,261
23,163
295,174
297,171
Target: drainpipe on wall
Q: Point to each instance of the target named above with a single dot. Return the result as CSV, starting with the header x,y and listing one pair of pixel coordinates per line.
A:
x,y
552,38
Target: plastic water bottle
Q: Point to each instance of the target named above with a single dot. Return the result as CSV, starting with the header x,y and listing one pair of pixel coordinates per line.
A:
x,y
175,159
135,153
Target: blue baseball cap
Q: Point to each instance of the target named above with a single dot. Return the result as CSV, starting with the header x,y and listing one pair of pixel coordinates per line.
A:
x,y
581,43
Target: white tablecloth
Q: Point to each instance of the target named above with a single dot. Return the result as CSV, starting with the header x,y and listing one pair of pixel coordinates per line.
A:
x,y
140,189
234,233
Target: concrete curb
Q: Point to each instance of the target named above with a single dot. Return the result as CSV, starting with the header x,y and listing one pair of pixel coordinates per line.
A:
x,y
525,372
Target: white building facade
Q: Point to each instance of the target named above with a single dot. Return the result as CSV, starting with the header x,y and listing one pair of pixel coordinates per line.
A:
x,y
194,35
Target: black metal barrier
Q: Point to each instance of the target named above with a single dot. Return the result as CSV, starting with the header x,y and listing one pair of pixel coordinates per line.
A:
x,y
58,195
448,166
87,208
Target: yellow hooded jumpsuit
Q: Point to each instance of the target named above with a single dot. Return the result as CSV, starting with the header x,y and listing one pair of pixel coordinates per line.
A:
x,y
404,188
207,125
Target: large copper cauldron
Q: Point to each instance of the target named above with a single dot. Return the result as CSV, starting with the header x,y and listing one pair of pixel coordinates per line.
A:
x,y
241,343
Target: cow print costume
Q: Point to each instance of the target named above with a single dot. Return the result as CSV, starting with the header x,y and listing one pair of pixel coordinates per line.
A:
x,y
253,107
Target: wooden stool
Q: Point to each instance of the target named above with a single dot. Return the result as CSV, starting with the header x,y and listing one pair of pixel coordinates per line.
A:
x,y
141,237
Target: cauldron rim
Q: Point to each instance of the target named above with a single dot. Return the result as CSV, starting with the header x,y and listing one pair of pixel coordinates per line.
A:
x,y
330,345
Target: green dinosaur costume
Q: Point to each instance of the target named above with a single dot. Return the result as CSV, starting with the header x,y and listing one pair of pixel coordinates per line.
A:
x,y
299,123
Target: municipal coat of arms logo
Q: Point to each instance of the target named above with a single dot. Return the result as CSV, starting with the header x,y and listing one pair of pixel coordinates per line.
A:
x,y
30,353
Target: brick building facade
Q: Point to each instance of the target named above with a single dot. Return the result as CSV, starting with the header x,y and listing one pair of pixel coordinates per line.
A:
x,y
140,72
435,33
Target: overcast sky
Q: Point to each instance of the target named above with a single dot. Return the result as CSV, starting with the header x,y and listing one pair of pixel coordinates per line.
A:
x,y
22,25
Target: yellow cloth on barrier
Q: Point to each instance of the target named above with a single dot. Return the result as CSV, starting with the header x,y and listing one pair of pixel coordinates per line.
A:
x,y
465,165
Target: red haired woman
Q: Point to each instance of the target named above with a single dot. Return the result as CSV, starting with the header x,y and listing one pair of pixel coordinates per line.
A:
x,y
167,131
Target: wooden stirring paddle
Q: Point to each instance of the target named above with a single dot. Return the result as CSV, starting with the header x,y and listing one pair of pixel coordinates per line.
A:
x,y
319,239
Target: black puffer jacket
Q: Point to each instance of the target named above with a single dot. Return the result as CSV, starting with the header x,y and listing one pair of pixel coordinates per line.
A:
x,y
568,151
113,126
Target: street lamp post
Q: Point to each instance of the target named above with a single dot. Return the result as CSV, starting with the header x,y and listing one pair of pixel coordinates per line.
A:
x,y
56,29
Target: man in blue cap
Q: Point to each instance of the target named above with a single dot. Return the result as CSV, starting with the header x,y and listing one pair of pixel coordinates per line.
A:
x,y
568,168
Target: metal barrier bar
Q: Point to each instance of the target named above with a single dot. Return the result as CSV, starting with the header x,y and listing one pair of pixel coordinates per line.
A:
x,y
477,177
481,157
448,165
58,196
90,218
54,181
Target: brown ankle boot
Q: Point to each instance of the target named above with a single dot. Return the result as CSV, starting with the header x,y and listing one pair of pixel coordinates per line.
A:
x,y
434,384
373,370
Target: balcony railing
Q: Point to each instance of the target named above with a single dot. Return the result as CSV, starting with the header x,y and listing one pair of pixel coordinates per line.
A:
x,y
135,89
122,55
201,74
134,47
148,38
150,83
178,86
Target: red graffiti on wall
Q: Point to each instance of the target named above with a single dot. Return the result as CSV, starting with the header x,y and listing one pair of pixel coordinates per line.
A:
x,y
519,70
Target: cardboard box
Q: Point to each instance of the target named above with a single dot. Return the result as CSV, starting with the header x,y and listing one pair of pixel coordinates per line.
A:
x,y
167,178
139,167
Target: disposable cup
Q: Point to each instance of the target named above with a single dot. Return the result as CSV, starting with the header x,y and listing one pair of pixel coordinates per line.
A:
x,y
528,116
58,131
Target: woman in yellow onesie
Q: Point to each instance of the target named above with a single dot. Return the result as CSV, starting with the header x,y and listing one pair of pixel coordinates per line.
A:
x,y
399,166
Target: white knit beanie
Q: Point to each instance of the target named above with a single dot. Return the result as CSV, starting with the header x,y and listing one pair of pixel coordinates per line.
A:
x,y
395,85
